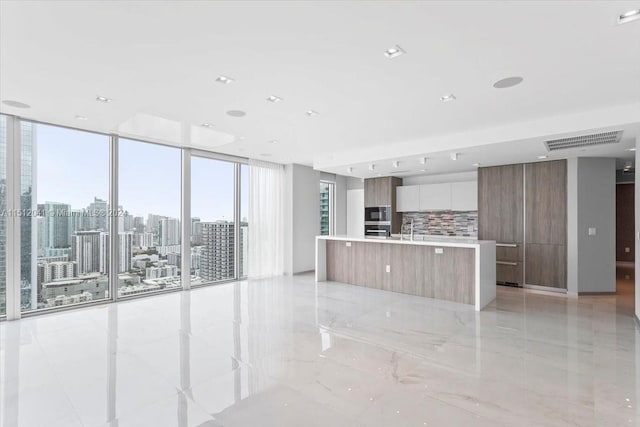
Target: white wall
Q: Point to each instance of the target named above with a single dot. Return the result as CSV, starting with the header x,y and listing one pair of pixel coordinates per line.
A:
x,y
355,213
302,214
572,226
637,203
591,203
302,217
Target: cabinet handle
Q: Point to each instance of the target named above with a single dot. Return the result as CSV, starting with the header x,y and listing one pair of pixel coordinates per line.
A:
x,y
507,245
507,263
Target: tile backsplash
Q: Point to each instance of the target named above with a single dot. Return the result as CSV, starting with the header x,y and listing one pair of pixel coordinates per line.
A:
x,y
442,223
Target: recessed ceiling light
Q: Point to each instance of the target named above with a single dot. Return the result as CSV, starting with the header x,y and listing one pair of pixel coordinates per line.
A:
x,y
79,117
207,125
454,156
372,167
447,98
349,170
103,99
508,82
16,104
423,170
394,52
423,160
224,79
395,163
629,16
312,113
542,157
273,141
476,164
236,113
274,99
632,149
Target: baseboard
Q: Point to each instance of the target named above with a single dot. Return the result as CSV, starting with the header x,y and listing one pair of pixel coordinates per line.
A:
x,y
595,293
304,272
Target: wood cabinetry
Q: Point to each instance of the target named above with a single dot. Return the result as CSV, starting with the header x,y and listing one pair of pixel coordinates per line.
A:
x,y
524,209
413,269
546,224
500,204
380,191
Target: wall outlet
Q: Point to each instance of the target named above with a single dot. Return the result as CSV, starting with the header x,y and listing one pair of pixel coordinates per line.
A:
x,y
348,244
627,250
388,268
439,250
592,231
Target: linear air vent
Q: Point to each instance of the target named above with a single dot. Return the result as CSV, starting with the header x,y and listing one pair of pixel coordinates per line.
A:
x,y
399,172
584,140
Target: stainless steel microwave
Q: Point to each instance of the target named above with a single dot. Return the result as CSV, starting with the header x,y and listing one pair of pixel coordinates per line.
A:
x,y
377,214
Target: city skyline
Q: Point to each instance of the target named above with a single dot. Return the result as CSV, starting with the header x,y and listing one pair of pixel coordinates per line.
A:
x,y
90,179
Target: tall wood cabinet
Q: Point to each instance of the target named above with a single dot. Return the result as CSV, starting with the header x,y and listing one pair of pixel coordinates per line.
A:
x,y
546,224
501,216
381,191
524,209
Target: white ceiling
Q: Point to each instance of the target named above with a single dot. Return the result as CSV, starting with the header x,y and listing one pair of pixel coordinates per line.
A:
x,y
158,62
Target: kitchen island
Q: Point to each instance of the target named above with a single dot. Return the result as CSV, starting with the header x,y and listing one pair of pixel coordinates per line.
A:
x,y
452,269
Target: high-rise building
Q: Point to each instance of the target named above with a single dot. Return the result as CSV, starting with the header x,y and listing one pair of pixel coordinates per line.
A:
x,y
142,240
55,232
28,230
78,220
85,251
196,231
217,258
56,270
138,224
97,215
325,222
169,232
125,242
153,223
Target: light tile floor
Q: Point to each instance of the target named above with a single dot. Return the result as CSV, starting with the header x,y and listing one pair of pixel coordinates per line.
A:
x,y
286,352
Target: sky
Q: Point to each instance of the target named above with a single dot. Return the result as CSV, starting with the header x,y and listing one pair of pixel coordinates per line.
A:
x,y
73,168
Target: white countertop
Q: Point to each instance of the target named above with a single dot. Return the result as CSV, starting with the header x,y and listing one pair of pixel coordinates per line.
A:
x,y
456,242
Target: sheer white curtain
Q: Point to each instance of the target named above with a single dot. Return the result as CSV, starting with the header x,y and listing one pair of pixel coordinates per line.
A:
x,y
266,223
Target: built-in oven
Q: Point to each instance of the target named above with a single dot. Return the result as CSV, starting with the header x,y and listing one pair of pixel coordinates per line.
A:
x,y
377,229
378,213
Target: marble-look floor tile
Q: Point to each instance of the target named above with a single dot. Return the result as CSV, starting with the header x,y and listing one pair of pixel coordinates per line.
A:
x,y
290,352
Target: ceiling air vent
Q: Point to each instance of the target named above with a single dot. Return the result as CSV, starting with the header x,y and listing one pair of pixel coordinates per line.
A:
x,y
584,140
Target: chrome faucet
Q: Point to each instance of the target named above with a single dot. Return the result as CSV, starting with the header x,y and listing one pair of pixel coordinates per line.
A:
x,y
402,231
412,229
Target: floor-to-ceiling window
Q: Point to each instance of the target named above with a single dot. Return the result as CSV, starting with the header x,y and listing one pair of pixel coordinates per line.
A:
x,y
149,232
76,247
326,208
3,215
213,220
64,233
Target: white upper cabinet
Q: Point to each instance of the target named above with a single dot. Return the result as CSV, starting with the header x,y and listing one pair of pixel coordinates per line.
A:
x,y
435,197
408,198
464,196
456,196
